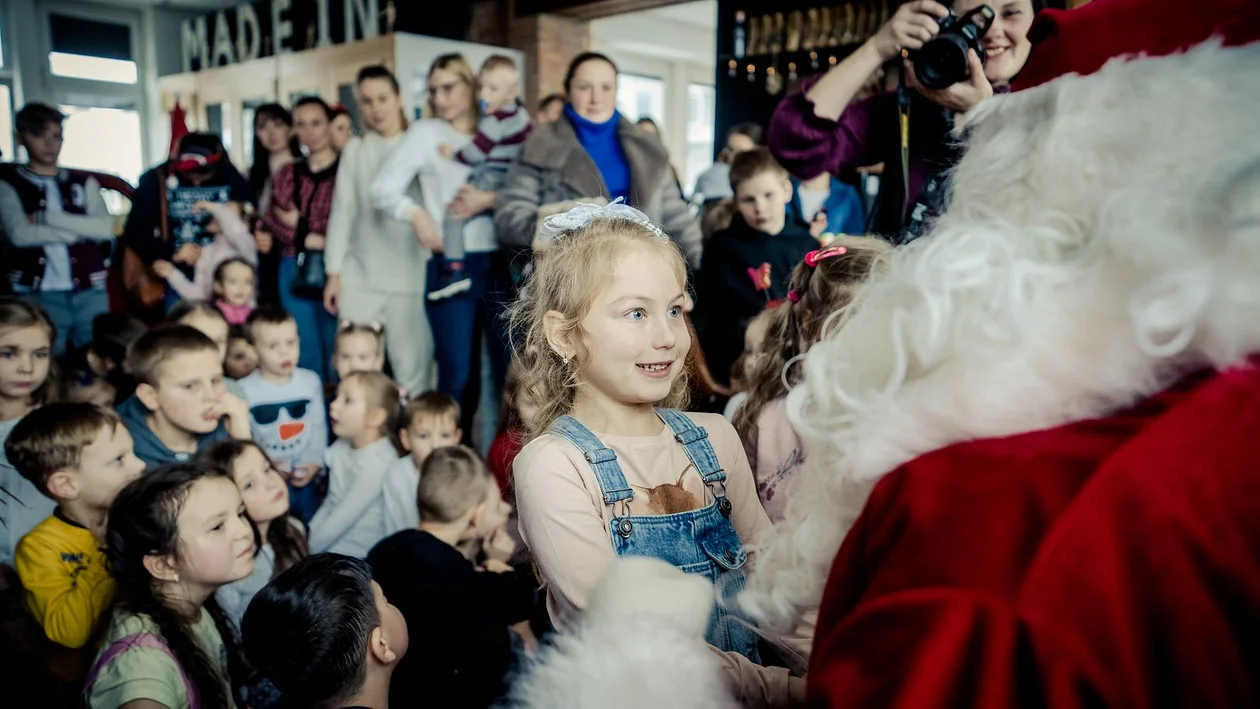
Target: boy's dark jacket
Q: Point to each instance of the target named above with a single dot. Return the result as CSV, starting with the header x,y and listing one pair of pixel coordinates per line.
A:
x,y
460,651
726,295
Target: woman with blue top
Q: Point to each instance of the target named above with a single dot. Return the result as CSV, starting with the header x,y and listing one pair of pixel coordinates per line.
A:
x,y
592,154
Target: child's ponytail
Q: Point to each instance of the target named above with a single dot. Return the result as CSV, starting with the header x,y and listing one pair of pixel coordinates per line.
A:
x,y
822,285
143,521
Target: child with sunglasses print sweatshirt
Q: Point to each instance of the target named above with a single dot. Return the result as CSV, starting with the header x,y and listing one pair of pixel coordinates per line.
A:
x,y
286,407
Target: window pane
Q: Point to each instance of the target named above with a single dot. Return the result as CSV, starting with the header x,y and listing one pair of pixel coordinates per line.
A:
x,y
641,96
90,38
83,147
6,124
700,119
78,66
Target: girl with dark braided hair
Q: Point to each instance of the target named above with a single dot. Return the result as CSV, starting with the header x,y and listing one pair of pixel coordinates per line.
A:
x,y
175,536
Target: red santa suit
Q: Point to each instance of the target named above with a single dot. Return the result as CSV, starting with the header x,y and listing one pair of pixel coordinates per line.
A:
x,y
1113,561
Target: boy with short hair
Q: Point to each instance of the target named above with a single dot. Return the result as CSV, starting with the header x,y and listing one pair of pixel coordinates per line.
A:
x,y
286,406
501,132
748,264
180,405
429,421
81,456
466,650
58,227
325,635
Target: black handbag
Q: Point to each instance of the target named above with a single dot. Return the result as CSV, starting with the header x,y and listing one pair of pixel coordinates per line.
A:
x,y
309,278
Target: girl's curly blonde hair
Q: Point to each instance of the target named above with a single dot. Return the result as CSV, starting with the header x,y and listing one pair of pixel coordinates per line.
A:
x,y
569,274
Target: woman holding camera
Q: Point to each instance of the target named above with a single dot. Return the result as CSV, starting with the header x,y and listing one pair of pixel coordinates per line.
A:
x,y
822,129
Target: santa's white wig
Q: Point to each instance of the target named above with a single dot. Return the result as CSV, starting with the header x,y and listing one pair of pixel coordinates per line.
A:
x,y
1103,239
639,644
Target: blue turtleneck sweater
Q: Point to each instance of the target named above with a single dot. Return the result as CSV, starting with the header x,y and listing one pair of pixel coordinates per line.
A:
x,y
602,144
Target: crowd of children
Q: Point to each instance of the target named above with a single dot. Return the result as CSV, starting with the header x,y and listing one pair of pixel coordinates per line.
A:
x,y
220,509
227,480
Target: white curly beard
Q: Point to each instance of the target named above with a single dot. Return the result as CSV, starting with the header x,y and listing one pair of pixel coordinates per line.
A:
x,y
1103,239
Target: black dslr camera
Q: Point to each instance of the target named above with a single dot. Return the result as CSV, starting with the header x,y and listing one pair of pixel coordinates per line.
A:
x,y
942,61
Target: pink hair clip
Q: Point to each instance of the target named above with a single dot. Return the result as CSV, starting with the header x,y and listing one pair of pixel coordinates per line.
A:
x,y
794,297
813,257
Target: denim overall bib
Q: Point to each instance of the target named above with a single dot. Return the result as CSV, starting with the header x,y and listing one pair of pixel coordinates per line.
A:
x,y
699,541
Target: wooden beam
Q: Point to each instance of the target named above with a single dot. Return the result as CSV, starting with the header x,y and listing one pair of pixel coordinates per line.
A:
x,y
589,10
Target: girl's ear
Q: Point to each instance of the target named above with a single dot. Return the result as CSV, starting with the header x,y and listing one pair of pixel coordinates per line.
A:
x,y
378,646
560,339
161,567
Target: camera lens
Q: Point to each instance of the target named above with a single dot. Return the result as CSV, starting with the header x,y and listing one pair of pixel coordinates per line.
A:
x,y
942,62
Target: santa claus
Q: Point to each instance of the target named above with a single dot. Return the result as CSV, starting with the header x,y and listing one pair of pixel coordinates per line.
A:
x,y
1033,471
1035,440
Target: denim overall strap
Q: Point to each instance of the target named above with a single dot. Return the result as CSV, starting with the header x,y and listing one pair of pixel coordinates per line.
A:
x,y
695,441
602,458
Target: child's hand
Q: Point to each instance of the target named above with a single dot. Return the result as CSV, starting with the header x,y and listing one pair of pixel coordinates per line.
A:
x,y
446,151
164,269
202,206
304,475
236,410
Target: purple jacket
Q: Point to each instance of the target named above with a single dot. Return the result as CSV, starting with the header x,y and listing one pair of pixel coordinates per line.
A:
x,y
866,134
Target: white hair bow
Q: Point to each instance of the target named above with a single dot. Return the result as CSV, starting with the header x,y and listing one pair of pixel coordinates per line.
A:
x,y
558,225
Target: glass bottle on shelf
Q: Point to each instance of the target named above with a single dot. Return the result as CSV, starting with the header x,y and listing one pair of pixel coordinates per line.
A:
x,y
794,23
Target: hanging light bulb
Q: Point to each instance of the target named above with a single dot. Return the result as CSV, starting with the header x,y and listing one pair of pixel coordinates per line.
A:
x,y
752,73
831,60
813,60
791,71
731,66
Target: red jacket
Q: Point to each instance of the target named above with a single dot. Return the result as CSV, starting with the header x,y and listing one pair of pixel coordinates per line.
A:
x,y
1113,562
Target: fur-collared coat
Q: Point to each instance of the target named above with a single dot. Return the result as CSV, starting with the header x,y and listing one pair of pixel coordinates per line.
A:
x,y
554,167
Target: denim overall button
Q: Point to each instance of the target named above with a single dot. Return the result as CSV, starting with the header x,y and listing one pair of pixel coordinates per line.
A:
x,y
724,506
625,527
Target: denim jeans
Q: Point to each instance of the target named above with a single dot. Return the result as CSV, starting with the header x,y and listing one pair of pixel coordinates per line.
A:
x,y
317,330
72,312
454,324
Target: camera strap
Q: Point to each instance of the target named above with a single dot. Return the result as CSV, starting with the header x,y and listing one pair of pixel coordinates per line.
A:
x,y
903,119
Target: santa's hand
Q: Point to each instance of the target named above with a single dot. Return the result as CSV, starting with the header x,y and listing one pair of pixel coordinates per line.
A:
x,y
446,151
961,96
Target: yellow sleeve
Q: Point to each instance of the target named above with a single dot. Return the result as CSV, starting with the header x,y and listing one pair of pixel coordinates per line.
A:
x,y
66,586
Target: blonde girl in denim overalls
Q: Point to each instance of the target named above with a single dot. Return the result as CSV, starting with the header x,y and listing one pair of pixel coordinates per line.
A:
x,y
615,469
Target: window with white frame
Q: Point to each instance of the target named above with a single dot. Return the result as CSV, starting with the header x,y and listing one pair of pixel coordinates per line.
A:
x,y
641,97
700,121
92,50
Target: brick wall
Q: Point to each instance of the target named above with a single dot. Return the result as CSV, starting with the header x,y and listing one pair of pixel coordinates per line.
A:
x,y
549,43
